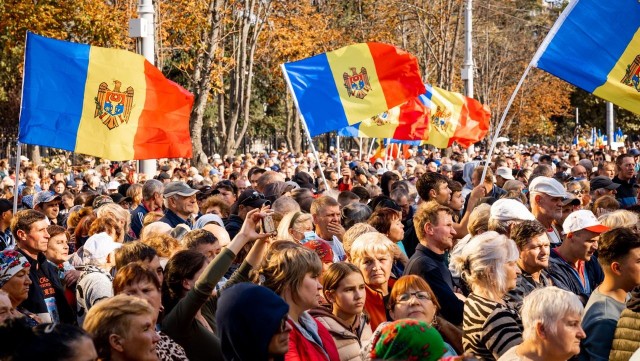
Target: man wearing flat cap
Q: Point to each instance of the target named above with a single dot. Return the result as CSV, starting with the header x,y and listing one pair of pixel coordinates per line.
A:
x,y
546,197
48,203
180,202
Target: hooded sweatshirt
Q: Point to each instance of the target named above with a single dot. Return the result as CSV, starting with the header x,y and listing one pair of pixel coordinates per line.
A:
x,y
248,316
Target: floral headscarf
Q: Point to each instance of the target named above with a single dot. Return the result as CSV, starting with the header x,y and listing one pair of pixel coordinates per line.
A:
x,y
11,262
410,340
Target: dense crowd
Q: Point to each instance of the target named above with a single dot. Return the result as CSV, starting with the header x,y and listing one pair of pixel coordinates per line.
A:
x,y
277,256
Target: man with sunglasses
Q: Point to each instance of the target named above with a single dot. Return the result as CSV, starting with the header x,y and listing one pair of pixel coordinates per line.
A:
x,y
249,199
180,202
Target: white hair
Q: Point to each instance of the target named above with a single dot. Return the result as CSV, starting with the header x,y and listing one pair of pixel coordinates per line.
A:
x,y
547,306
481,262
371,244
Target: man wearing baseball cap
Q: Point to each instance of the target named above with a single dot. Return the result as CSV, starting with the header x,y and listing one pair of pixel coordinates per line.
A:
x,y
248,200
602,186
48,203
573,266
180,201
546,196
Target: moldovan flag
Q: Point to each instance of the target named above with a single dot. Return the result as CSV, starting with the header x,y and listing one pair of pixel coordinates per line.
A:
x,y
341,88
103,102
437,117
595,45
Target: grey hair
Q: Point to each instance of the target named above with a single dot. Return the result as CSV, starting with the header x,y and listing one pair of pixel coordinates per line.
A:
x,y
481,262
354,232
619,218
547,305
151,187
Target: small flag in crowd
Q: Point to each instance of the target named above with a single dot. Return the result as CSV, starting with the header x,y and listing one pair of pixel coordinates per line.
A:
x,y
103,102
595,45
438,117
341,88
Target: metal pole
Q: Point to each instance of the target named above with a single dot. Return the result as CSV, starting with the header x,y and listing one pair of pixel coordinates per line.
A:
x,y
467,66
146,14
338,157
306,129
17,183
386,153
502,119
610,124
360,150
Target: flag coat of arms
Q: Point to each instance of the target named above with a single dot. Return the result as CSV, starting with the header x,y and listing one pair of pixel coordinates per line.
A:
x,y
103,102
340,88
595,45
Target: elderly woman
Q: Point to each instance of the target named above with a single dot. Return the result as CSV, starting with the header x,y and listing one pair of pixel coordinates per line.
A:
x,y
620,218
296,227
488,265
552,332
122,328
292,272
373,254
135,279
15,281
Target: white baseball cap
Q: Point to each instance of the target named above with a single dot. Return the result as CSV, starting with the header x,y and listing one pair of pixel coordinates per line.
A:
x,y
583,219
510,209
505,172
98,247
548,186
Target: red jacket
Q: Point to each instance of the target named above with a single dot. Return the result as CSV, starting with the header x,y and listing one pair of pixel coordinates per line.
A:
x,y
301,349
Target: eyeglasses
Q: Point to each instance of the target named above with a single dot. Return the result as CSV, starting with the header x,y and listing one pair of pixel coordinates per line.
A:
x,y
420,296
577,191
254,196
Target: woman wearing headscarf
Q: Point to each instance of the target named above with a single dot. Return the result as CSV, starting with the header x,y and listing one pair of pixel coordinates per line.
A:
x,y
15,281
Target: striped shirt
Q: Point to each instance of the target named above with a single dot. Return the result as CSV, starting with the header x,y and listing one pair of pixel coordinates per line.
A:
x,y
489,329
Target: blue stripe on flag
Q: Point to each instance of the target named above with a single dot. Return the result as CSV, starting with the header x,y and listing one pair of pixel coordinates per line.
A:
x,y
590,42
54,84
323,110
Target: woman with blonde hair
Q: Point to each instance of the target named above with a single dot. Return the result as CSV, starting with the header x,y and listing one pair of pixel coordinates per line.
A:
x,y
488,265
135,193
118,214
292,272
619,218
373,254
296,227
344,289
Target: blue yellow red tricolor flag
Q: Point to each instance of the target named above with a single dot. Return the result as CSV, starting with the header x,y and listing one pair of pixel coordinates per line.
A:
x,y
342,87
595,45
103,102
437,117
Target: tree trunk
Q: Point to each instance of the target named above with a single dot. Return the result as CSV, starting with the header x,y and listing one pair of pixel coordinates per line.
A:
x,y
201,82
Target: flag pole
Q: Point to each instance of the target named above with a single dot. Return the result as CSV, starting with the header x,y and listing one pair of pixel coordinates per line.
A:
x,y
502,119
338,158
306,129
15,186
386,153
360,150
373,141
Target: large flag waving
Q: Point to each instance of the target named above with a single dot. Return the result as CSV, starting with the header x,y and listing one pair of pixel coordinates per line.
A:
x,y
595,45
104,102
341,88
438,117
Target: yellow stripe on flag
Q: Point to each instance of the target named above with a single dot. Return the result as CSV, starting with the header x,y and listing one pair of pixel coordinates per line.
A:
x,y
614,89
94,136
355,61
445,113
380,126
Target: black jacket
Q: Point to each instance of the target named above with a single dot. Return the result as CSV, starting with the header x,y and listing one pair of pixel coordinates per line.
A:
x,y
35,302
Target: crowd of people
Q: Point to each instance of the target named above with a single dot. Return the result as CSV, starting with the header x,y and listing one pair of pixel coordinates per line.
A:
x,y
533,255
